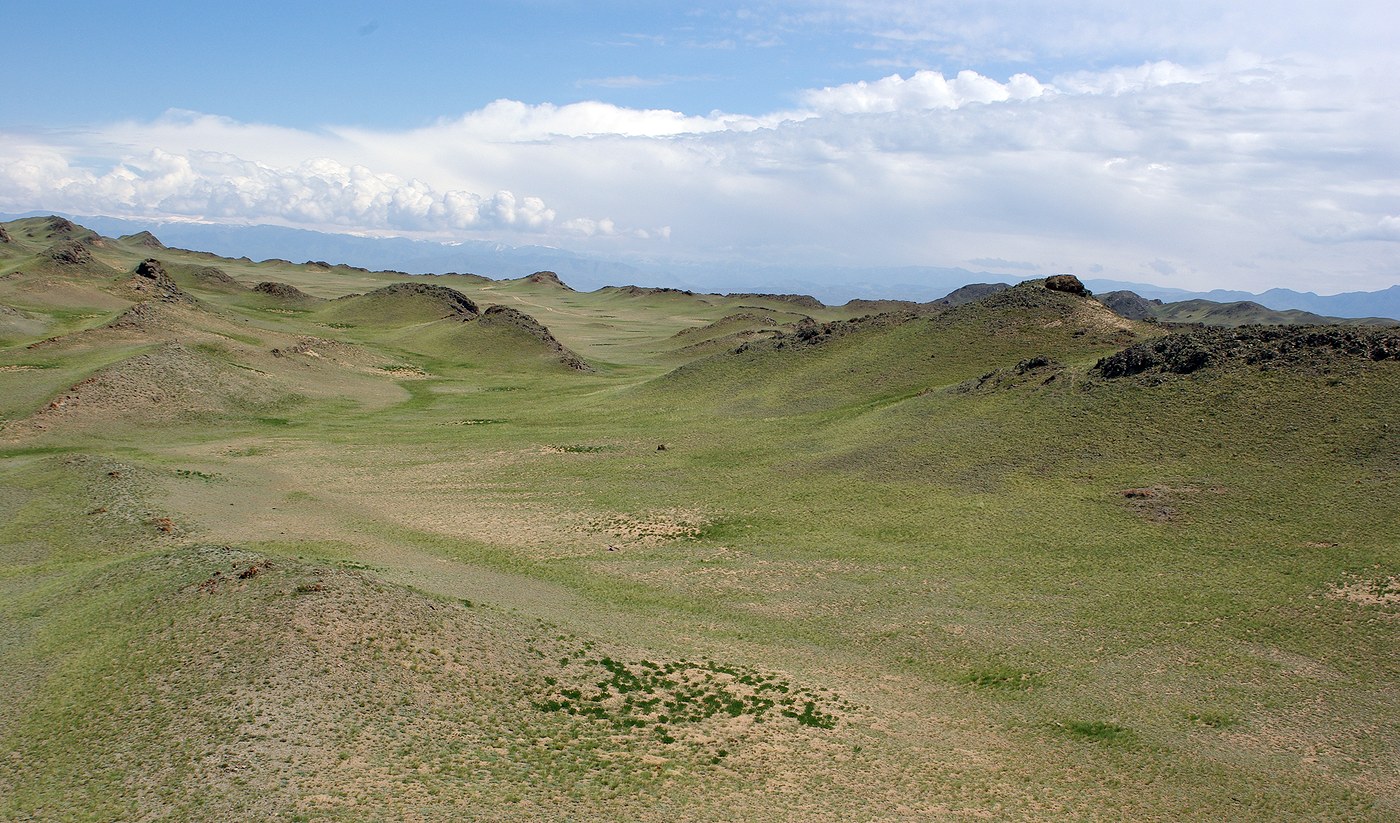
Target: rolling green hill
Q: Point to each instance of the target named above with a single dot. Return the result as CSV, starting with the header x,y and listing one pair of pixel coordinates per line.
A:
x,y
367,546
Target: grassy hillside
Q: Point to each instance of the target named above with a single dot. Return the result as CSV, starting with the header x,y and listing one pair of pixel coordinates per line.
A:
x,y
649,555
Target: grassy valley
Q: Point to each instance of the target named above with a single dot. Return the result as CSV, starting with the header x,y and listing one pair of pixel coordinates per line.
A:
x,y
307,542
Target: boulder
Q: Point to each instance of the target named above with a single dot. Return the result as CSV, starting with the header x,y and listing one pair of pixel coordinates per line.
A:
x,y
1067,283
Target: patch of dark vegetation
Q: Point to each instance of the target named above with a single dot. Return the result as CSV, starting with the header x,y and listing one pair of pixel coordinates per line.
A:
x,y
1003,679
1212,719
514,318
1260,346
5,236
1067,283
806,301
664,697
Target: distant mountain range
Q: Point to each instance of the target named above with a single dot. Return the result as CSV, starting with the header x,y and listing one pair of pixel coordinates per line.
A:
x,y
833,285
1383,303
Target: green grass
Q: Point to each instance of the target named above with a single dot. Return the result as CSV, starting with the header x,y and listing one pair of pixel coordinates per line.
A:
x,y
860,580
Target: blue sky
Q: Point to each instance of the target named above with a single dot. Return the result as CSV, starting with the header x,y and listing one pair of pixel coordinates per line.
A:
x,y
1243,144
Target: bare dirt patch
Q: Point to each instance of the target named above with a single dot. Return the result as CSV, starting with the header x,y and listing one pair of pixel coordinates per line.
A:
x,y
1376,590
651,529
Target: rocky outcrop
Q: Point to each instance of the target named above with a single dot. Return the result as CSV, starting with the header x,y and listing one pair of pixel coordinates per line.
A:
x,y
453,302
1300,347
151,281
547,278
514,318
1067,283
69,252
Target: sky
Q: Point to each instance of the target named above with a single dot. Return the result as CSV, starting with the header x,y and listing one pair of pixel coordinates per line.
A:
x,y
1197,145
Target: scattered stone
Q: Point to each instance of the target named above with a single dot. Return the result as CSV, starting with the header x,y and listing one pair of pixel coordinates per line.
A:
x,y
4,236
661,448
254,570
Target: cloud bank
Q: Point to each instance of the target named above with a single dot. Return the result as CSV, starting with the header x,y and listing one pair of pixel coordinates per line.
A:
x,y
1243,171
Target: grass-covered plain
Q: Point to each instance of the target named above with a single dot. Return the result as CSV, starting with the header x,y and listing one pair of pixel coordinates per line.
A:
x,y
270,557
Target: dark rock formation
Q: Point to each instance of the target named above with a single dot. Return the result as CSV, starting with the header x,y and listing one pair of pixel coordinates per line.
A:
x,y
454,302
59,225
1261,346
152,281
547,278
514,318
69,252
1067,283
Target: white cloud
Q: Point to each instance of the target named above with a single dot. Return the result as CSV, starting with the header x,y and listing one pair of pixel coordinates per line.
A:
x,y
1233,169
921,90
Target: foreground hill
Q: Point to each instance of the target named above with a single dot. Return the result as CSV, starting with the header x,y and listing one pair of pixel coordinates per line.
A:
x,y
465,548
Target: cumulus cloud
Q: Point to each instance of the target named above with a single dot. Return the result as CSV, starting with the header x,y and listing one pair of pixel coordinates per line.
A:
x,y
921,90
1239,167
319,192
